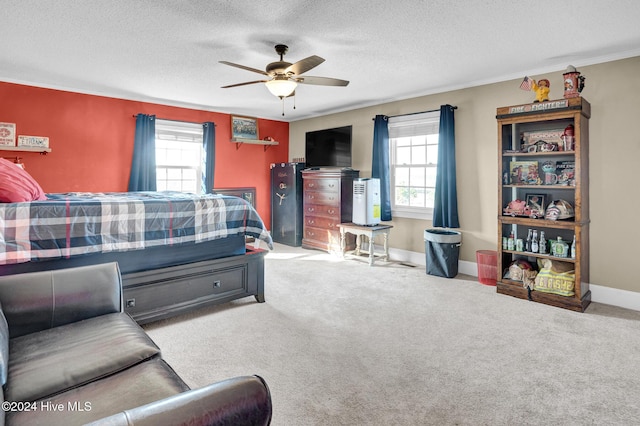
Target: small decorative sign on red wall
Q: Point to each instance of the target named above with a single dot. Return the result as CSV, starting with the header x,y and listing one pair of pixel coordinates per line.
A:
x,y
7,134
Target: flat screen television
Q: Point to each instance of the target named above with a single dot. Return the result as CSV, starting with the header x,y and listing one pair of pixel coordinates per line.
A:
x,y
328,147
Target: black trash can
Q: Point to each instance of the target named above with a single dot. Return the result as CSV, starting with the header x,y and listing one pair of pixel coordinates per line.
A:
x,y
442,249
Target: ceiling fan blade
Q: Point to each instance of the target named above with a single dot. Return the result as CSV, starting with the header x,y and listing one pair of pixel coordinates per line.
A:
x,y
304,65
244,84
243,67
320,81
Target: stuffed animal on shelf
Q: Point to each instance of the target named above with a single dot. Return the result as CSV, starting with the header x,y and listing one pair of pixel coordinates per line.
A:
x,y
541,88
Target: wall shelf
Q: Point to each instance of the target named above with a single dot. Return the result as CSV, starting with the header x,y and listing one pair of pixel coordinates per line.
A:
x,y
39,149
266,144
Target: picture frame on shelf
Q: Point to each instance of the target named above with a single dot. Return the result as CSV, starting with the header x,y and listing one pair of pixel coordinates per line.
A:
x,y
524,172
244,127
536,205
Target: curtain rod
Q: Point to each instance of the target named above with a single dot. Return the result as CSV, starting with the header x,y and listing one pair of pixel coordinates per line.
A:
x,y
419,112
177,121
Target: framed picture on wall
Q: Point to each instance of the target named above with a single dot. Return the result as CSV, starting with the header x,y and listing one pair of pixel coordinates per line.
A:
x,y
244,127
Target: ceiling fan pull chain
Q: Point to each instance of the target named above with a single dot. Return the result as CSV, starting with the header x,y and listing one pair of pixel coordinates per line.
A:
x,y
282,99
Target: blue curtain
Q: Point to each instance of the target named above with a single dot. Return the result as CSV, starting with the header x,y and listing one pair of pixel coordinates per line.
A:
x,y
209,163
380,165
445,209
143,164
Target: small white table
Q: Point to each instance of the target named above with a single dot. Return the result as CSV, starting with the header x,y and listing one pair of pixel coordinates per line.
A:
x,y
370,232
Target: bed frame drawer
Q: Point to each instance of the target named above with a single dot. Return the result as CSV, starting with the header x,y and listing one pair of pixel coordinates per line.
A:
x,y
165,292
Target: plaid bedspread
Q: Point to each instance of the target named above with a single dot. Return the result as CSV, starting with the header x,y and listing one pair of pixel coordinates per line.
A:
x,y
76,223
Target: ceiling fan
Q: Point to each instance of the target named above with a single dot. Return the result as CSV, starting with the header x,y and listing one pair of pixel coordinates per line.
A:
x,y
285,76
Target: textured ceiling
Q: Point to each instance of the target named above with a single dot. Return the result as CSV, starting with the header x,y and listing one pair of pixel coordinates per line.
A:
x,y
167,51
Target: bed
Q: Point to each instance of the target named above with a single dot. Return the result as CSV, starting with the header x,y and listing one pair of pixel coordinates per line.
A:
x,y
176,251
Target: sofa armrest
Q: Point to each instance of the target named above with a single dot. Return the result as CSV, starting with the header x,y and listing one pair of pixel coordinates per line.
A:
x,y
239,401
38,301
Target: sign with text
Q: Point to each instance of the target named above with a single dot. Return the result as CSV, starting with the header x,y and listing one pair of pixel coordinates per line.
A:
x,y
33,141
7,134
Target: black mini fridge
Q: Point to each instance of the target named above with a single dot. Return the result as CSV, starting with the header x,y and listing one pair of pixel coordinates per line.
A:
x,y
286,203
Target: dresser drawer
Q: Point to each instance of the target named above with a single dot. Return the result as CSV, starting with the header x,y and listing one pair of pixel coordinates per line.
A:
x,y
200,284
322,222
324,185
328,198
327,210
326,239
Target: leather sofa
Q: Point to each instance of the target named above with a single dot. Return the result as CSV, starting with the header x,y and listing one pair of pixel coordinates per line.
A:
x,y
70,355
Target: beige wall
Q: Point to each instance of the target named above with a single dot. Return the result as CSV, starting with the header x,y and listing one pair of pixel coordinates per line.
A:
x,y
612,88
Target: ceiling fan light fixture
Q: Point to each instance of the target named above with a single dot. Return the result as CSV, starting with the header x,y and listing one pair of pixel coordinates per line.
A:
x,y
281,87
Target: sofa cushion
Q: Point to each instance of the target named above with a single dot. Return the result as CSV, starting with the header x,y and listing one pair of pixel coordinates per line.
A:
x,y
52,361
4,348
35,301
141,384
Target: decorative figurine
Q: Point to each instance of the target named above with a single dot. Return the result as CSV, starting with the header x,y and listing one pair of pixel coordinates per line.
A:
x,y
541,88
573,82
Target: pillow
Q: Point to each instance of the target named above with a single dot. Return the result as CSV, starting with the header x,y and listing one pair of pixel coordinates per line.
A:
x,y
16,185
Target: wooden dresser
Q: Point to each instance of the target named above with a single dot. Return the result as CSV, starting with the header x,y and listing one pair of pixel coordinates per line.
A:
x,y
327,202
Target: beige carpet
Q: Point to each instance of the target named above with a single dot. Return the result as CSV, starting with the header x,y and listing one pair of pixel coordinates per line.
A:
x,y
342,343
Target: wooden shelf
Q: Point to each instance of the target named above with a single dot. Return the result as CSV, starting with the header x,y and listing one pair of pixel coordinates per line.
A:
x,y
537,154
538,255
542,223
240,141
39,149
516,289
540,186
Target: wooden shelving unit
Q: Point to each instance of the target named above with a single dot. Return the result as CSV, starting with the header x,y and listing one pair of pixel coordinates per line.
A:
x,y
513,122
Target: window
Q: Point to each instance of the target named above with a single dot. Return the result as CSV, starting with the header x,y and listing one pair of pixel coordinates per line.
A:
x,y
179,156
413,141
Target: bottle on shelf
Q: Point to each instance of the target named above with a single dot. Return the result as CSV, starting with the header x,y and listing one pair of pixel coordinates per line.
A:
x,y
560,248
542,244
534,242
573,247
511,242
527,245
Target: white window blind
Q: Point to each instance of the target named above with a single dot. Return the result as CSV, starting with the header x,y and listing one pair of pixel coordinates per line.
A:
x,y
424,123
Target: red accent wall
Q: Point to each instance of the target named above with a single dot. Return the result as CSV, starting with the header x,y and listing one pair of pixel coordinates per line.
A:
x,y
91,141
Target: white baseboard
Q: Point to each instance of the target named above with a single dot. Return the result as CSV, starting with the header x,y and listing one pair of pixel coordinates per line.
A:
x,y
600,294
614,296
